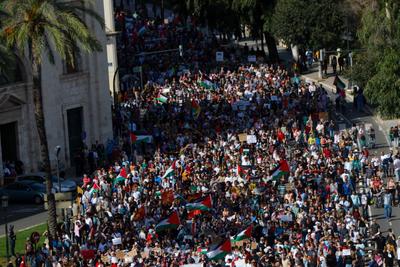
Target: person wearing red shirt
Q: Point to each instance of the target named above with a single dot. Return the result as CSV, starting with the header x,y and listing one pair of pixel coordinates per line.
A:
x,y
86,180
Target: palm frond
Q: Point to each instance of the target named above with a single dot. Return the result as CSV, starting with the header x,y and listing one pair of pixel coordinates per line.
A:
x,y
49,26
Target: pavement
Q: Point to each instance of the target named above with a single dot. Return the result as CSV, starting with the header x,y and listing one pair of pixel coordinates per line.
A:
x,y
368,116
25,222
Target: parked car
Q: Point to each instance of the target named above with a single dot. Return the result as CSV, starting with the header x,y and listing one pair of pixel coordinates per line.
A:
x,y
24,192
39,177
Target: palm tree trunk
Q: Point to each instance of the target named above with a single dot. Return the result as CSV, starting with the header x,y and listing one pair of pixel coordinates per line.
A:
x,y
44,148
272,49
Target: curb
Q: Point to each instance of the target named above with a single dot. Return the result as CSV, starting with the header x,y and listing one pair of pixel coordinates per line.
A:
x,y
26,228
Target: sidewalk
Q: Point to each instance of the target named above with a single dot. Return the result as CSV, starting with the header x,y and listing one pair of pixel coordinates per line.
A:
x,y
327,82
25,223
382,138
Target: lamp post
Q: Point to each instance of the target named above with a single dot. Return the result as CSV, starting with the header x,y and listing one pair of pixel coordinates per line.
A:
x,y
57,150
4,205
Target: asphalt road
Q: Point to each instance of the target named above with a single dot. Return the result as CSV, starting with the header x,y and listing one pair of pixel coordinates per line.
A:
x,y
22,216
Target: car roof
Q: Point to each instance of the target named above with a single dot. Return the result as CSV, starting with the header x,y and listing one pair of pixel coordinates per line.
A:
x,y
42,174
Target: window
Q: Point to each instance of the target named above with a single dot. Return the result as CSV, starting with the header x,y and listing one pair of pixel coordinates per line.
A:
x,y
75,66
17,187
37,179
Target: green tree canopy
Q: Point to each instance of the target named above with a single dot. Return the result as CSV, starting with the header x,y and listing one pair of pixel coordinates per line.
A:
x,y
377,65
309,23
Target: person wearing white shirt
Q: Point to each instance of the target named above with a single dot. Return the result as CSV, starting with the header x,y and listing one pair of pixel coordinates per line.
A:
x,y
396,166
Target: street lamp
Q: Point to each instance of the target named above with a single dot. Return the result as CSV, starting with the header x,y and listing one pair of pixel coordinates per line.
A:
x,y
4,205
57,150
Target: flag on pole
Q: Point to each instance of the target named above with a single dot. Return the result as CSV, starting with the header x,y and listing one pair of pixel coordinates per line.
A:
x,y
162,99
245,234
204,204
339,83
133,137
220,251
171,170
95,189
282,170
207,84
172,222
121,176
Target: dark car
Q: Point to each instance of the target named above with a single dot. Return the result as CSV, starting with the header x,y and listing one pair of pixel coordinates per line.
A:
x,y
26,192
40,177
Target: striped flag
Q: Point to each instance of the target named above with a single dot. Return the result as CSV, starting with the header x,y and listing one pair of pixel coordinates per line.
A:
x,y
172,222
282,170
207,84
202,205
339,83
220,251
171,170
162,99
245,234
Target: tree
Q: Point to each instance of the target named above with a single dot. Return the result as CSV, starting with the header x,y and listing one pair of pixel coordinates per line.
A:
x,y
377,66
6,56
47,27
6,59
309,23
256,14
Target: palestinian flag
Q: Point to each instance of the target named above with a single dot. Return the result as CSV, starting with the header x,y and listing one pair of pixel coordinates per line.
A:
x,y
171,170
339,83
207,84
172,222
95,188
203,205
162,99
121,176
196,109
245,234
133,137
282,170
220,251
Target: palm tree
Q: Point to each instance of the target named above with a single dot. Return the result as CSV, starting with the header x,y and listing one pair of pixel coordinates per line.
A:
x,y
46,27
6,59
6,56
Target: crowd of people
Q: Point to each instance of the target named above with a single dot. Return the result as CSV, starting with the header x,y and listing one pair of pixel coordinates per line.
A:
x,y
163,48
251,149
242,165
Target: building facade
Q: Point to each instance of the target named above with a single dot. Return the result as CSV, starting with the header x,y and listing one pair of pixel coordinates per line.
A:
x,y
77,107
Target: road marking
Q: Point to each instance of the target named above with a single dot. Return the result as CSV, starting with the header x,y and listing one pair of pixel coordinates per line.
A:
x,y
26,228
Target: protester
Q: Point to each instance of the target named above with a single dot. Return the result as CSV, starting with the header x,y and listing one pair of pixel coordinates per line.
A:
x,y
243,156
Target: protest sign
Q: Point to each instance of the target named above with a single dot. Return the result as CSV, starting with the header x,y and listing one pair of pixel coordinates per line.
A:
x,y
252,58
219,56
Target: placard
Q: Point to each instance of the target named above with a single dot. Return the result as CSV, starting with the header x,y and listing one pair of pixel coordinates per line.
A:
x,y
286,218
117,241
323,116
243,137
252,58
219,56
346,252
251,139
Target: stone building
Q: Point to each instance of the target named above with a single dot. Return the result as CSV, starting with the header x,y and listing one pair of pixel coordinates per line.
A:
x,y
77,106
